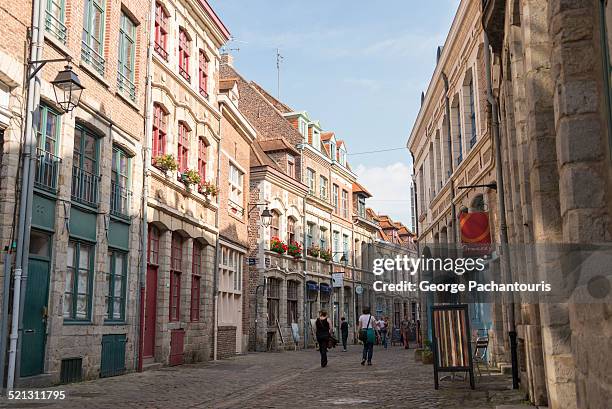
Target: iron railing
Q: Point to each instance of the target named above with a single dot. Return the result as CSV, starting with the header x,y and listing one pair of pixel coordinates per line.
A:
x,y
184,74
85,187
161,51
126,86
56,27
120,200
47,171
93,58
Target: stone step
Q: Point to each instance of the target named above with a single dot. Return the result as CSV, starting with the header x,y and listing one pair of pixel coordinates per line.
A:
x,y
149,364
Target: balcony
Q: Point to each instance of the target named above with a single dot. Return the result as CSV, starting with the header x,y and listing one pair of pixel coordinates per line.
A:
x,y
184,74
120,200
85,187
126,86
161,51
47,170
203,93
91,57
55,27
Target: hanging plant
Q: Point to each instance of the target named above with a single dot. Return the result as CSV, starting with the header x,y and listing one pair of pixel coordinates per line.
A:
x,y
294,249
326,255
165,162
191,177
314,251
207,189
277,245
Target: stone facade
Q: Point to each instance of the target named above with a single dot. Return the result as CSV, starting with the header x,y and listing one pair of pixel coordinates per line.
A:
x,y
555,126
181,299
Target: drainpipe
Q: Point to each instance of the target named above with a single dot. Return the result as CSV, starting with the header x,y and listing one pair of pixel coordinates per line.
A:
x,y
5,314
26,196
450,156
305,250
501,197
217,248
416,228
145,189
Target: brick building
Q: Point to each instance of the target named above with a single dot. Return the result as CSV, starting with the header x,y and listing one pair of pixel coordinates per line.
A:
x,y
183,186
80,311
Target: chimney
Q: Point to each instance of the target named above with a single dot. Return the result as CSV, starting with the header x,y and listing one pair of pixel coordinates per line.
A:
x,y
227,59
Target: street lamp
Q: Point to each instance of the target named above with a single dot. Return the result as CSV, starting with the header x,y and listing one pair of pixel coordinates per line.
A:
x,y
67,88
266,217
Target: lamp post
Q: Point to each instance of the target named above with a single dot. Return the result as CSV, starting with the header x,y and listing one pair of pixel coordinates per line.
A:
x,y
67,89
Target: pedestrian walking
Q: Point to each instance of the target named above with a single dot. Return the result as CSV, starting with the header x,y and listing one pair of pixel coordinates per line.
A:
x,y
383,326
367,335
323,335
344,331
405,328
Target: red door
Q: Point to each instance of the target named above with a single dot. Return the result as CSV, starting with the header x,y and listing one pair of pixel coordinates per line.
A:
x,y
150,312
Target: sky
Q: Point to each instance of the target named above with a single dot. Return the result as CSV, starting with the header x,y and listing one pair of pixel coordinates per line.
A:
x,y
356,68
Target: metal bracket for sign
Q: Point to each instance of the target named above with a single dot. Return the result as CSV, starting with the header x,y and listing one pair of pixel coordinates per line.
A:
x,y
465,331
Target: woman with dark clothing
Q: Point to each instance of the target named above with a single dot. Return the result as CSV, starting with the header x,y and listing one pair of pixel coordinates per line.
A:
x,y
323,333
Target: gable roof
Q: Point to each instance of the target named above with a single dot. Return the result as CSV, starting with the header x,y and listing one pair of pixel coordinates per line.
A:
x,y
358,188
270,145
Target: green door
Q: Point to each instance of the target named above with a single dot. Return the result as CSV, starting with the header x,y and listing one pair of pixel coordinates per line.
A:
x,y
35,318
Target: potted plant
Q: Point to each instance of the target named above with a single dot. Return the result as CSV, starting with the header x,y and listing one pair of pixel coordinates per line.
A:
x,y
314,251
190,177
427,354
294,249
165,162
277,245
207,189
326,255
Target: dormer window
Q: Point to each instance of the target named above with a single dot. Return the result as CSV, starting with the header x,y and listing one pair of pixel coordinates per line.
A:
x,y
342,156
291,166
316,139
303,127
332,150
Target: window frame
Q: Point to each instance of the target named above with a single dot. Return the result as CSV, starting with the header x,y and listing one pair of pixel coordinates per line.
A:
x,y
112,273
153,237
273,300
335,198
203,61
275,224
127,44
55,23
291,222
183,137
345,203
323,187
72,317
291,166
88,39
194,307
202,157
160,131
161,31
311,176
176,271
292,301
184,53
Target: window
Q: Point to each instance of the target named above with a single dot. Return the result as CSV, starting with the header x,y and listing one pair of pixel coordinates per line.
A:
x,y
176,262
202,152
184,45
183,146
120,183
310,181
335,197
303,127
316,139
336,246
323,238
161,31
85,180
79,279
115,282
160,129
153,245
472,113
196,273
273,300
310,231
127,46
323,187
361,206
291,166
342,156
47,137
332,150
325,292
203,73
92,51
55,22
231,269
275,224
345,247
290,230
292,302
236,183
195,298
345,204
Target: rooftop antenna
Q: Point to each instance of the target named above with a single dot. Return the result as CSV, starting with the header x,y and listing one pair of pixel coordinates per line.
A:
x,y
279,59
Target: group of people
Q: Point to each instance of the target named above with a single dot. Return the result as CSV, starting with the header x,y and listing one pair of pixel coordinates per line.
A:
x,y
370,330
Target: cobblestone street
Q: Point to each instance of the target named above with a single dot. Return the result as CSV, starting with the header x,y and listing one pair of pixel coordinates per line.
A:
x,y
279,380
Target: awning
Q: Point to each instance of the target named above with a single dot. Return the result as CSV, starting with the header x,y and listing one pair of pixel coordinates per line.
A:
x,y
312,286
325,288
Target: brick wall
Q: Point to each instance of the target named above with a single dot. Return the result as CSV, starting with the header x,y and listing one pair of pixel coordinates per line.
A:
x,y
226,345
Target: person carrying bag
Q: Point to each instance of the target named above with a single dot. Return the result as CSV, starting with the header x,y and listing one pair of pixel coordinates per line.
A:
x,y
367,336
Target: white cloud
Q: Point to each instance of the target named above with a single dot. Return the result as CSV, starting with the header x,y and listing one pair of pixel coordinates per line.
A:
x,y
390,188
370,84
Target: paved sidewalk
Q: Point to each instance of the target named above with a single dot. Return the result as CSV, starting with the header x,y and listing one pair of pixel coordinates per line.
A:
x,y
285,380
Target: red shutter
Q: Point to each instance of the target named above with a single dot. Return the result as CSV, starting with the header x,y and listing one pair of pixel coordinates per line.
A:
x,y
183,146
202,158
